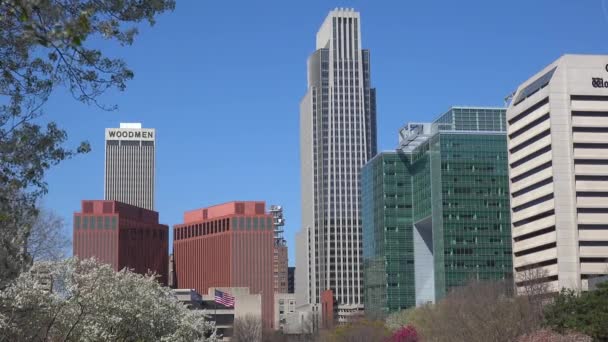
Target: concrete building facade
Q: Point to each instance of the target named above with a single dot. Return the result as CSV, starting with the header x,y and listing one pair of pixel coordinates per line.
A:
x,y
337,137
122,235
436,211
558,169
227,245
246,306
284,304
130,165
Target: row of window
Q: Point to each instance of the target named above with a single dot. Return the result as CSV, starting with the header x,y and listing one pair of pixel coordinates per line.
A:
x,y
95,222
223,225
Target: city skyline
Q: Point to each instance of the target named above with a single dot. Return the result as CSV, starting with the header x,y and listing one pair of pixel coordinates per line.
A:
x,y
174,122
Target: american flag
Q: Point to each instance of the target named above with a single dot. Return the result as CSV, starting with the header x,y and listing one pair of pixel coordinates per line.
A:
x,y
224,298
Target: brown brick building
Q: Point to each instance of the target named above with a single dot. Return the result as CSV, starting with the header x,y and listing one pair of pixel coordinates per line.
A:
x,y
122,235
227,245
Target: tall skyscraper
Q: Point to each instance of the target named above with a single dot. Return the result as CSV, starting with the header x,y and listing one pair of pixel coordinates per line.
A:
x,y
130,165
558,158
337,137
436,211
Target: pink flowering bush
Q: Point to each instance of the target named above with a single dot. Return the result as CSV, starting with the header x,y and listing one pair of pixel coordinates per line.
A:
x,y
405,334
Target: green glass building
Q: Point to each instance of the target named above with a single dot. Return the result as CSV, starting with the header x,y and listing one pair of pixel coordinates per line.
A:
x,y
435,212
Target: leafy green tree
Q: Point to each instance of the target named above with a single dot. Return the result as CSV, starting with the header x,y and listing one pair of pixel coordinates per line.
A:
x,y
44,45
585,312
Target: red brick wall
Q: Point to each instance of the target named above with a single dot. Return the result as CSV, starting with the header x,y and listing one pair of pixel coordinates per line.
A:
x,y
203,262
133,238
144,247
93,242
280,269
217,252
327,309
252,267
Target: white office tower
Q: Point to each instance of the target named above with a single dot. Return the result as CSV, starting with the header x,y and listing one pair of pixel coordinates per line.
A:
x,y
558,157
129,165
337,137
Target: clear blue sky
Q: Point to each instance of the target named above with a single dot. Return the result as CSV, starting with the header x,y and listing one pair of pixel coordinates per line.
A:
x,y
221,82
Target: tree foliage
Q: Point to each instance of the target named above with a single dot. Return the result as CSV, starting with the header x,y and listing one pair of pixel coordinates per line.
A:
x,y
47,240
585,312
46,44
82,300
399,319
478,312
359,331
247,328
545,335
405,334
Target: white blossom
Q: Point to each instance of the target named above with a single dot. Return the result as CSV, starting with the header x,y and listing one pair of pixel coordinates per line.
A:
x,y
83,300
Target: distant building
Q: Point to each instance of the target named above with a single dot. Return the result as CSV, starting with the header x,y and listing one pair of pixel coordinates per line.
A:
x,y
245,305
122,235
190,298
558,158
280,258
44,278
436,211
291,274
172,281
227,245
130,165
305,322
329,309
280,267
595,281
284,304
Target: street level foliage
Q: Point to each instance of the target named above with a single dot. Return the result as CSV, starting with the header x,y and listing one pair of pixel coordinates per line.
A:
x,y
585,312
490,311
83,300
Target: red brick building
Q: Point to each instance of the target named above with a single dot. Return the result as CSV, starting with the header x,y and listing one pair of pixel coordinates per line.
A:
x,y
227,245
329,306
122,235
280,267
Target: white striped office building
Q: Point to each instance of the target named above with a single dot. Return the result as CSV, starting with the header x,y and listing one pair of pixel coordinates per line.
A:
x,y
130,165
337,137
558,157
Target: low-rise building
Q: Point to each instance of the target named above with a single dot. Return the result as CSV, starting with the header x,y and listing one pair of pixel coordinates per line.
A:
x,y
246,306
284,304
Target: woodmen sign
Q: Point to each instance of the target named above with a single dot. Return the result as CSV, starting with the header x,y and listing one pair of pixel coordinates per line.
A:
x,y
130,134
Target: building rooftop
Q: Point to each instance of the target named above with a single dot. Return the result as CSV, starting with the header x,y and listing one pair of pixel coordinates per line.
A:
x,y
98,207
226,209
457,119
130,125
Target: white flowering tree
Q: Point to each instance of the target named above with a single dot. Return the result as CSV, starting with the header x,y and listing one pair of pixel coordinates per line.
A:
x,y
83,300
